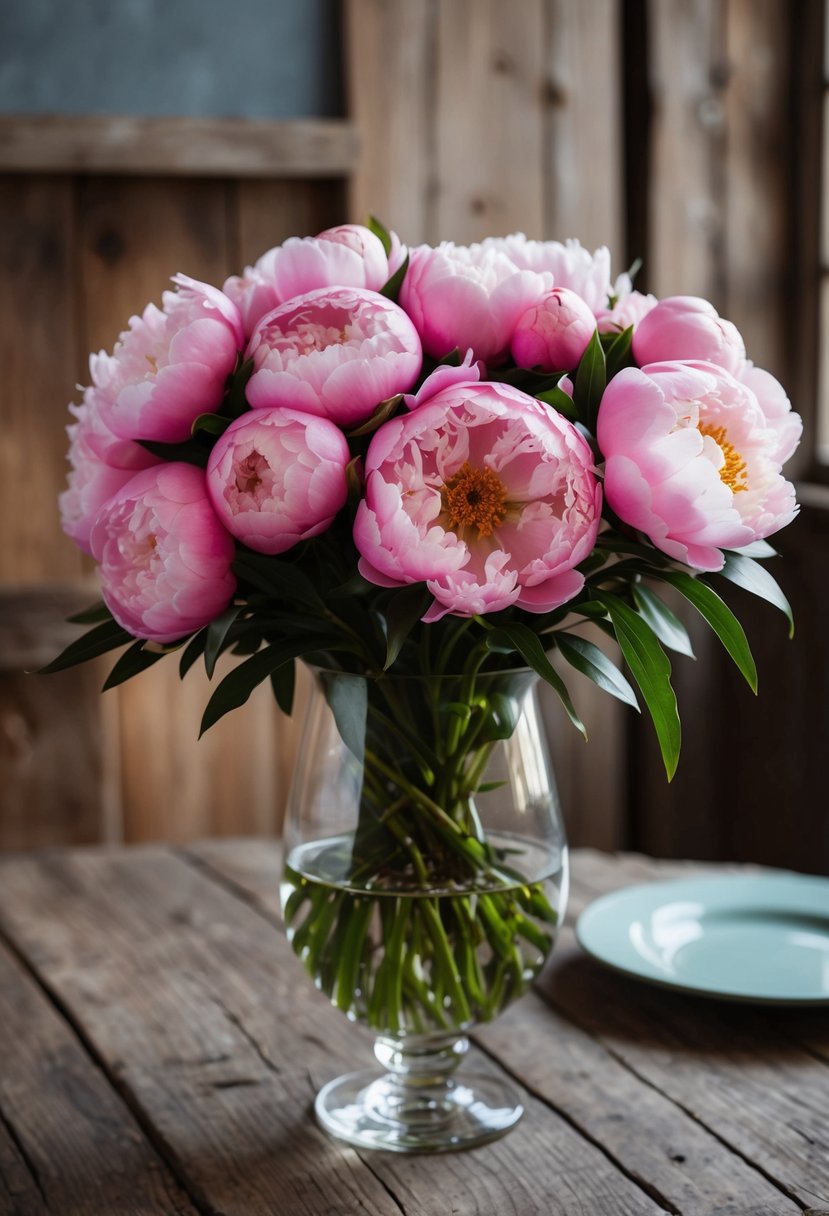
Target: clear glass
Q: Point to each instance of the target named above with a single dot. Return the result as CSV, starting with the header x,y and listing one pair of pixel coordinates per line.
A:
x,y
425,878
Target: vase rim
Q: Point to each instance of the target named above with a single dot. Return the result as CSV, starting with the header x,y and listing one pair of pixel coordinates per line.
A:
x,y
418,676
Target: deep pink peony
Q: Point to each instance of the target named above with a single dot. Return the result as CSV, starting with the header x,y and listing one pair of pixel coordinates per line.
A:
x,y
690,461
337,352
172,364
347,256
483,493
688,327
553,333
469,298
164,556
276,477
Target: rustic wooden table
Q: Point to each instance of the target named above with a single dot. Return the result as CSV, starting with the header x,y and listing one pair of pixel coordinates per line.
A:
x,y
160,1045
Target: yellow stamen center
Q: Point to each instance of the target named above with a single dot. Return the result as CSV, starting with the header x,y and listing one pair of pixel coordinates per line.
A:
x,y
733,469
474,498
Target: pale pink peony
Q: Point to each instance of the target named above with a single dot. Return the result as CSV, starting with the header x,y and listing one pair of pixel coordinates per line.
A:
x,y
570,264
484,494
164,556
554,333
469,298
276,477
337,352
172,365
775,404
347,256
690,461
688,327
630,309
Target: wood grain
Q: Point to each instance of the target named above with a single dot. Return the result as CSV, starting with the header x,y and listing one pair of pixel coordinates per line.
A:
x,y
214,147
194,1002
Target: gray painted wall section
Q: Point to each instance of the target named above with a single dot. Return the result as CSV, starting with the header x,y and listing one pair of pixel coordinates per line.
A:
x,y
214,58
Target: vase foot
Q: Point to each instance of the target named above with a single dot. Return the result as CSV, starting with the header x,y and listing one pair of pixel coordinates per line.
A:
x,y
367,1109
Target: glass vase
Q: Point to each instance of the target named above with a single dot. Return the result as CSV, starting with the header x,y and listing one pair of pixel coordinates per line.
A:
x,y
425,877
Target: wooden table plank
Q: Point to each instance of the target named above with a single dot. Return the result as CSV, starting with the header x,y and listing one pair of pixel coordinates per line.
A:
x,y
67,1142
680,1162
195,1003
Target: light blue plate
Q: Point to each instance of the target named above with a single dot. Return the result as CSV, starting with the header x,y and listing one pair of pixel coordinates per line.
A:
x,y
740,937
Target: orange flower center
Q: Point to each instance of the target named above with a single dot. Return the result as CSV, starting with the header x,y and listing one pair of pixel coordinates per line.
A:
x,y
474,498
733,468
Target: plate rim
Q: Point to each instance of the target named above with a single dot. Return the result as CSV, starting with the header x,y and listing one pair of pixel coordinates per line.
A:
x,y
600,904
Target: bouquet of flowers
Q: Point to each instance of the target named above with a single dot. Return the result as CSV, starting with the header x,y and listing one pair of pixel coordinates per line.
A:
x,y
436,462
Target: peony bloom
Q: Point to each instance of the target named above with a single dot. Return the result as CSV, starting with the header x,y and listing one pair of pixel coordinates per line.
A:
x,y
172,365
570,264
347,256
554,333
276,477
164,557
629,309
688,327
484,494
469,298
337,352
691,461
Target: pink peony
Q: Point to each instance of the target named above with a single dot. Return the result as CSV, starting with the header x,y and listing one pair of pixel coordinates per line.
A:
x,y
554,333
688,327
690,461
172,365
347,256
276,477
570,264
164,556
629,309
484,494
336,352
469,298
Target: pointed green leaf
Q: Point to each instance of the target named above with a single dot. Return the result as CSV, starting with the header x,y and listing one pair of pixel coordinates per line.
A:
x,y
283,683
618,352
380,231
217,632
276,578
192,652
402,612
666,624
523,639
391,288
561,402
721,619
383,412
748,574
97,641
236,403
192,451
590,382
651,670
92,615
211,424
758,549
134,660
347,696
594,663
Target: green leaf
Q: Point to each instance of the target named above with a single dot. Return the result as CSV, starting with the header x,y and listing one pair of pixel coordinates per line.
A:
x,y
391,288
721,619
383,412
594,663
192,652
276,578
666,624
526,642
402,612
651,670
217,632
590,382
562,402
237,686
193,451
283,683
347,696
92,615
236,403
618,352
747,574
211,424
758,548
98,641
134,660
380,231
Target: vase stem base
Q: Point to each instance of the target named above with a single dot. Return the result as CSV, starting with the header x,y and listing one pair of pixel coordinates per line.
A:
x,y
367,1109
